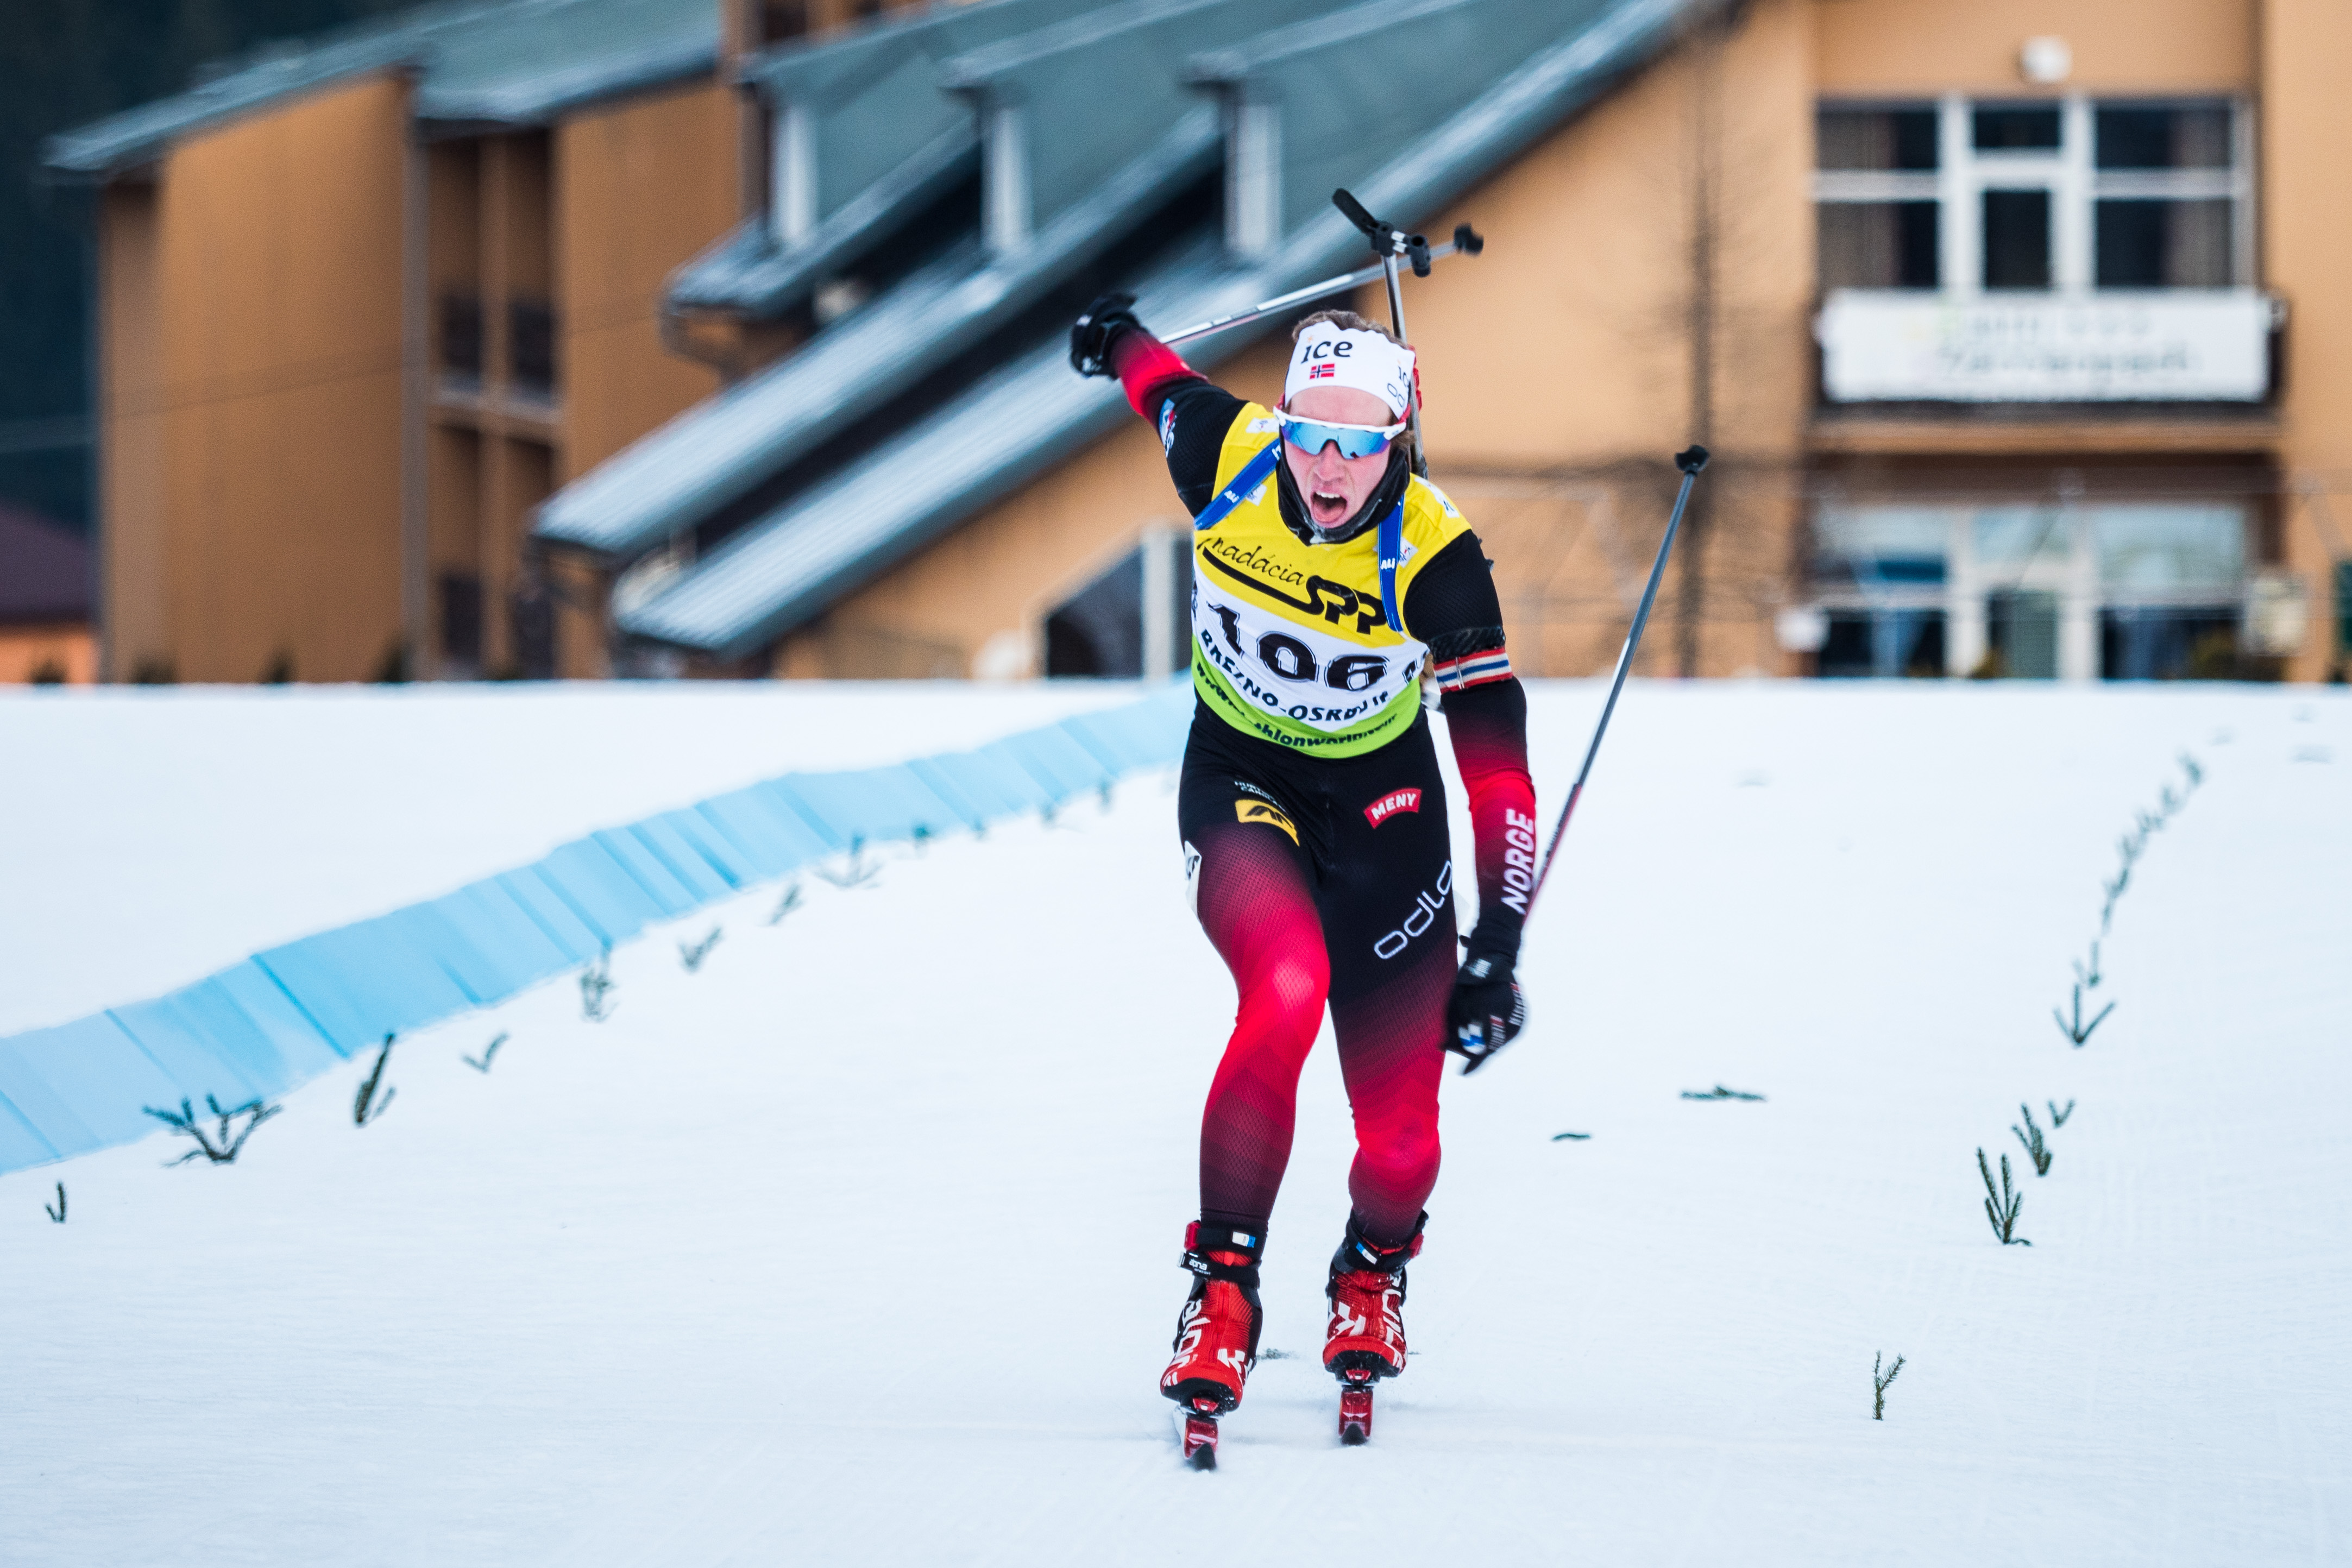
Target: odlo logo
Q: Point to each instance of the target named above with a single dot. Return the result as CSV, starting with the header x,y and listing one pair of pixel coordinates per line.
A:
x,y
1426,908
1390,804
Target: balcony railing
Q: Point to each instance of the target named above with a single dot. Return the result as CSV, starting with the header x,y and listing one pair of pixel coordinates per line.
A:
x,y
2174,345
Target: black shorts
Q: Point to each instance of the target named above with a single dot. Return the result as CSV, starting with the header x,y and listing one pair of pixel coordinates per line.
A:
x,y
1368,832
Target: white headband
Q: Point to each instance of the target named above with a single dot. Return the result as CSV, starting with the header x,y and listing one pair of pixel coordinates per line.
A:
x,y
1330,355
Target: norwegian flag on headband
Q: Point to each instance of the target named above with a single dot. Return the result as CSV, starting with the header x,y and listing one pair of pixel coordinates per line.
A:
x,y
1328,353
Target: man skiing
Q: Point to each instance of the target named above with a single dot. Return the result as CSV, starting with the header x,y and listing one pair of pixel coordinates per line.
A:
x,y
1327,580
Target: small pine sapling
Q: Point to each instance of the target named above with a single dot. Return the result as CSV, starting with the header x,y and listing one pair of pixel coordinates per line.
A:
x,y
2058,1117
2001,1204
57,1215
1879,1379
1719,1092
220,1148
597,988
692,954
786,904
2031,1136
2078,1031
490,1055
365,1106
856,871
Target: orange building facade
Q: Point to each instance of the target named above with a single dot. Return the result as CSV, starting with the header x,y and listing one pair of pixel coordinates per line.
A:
x,y
1657,274
352,330
2018,329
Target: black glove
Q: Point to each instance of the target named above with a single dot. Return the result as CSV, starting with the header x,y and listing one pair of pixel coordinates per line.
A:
x,y
1486,1011
1091,334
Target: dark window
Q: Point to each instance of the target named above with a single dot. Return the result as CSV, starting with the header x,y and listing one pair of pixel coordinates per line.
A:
x,y
2147,244
461,619
1878,244
1099,630
461,335
1884,643
531,620
530,345
1900,140
2191,137
2022,628
2017,239
2169,642
1880,571
2032,129
781,19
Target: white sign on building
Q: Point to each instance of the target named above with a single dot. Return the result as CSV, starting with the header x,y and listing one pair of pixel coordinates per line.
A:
x,y
2174,346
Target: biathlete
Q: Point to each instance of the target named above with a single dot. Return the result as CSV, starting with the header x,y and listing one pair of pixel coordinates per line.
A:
x,y
1328,578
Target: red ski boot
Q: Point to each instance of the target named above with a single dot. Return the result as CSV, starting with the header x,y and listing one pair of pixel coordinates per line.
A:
x,y
1216,1337
1365,1341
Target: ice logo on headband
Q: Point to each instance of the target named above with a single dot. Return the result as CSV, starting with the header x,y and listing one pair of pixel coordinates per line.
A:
x,y
1332,355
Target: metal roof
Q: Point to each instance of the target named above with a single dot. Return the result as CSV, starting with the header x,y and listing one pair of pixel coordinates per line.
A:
x,y
884,142
1344,83
1143,144
789,566
521,62
1089,90
890,124
752,272
719,450
531,62
872,99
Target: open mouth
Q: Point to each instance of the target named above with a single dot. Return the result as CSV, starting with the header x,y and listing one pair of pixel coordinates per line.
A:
x,y
1327,507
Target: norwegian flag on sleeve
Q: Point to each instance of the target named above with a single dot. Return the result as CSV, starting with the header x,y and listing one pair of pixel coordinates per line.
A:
x,y
1473,669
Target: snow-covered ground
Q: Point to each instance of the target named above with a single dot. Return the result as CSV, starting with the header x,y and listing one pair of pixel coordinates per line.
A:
x,y
860,1244
156,836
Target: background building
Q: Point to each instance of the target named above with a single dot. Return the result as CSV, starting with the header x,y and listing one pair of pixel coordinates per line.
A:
x,y
364,302
44,594
611,336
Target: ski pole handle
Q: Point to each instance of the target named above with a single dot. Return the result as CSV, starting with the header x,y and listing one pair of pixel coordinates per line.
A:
x,y
1466,241
1690,461
1353,211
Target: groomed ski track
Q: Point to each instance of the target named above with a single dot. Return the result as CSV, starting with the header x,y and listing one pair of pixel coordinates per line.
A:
x,y
859,1245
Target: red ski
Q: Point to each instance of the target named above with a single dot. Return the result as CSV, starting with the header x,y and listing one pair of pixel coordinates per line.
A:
x,y
1200,1435
1356,1408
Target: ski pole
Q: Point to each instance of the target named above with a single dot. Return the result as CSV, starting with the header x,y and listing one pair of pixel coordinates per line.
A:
x,y
1466,241
1388,243
1690,462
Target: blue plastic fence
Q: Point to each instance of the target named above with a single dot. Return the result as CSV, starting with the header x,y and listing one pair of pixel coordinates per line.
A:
x,y
261,1027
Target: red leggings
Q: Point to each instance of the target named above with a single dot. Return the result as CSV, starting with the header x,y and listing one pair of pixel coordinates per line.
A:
x,y
1311,896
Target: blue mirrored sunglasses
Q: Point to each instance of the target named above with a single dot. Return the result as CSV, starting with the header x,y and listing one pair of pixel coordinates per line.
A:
x,y
1312,436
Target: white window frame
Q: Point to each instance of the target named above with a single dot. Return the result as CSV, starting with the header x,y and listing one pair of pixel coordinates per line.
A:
x,y
2067,173
1005,217
792,173
1253,177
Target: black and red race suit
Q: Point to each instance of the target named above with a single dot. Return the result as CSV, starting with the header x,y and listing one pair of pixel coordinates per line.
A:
x,y
1311,806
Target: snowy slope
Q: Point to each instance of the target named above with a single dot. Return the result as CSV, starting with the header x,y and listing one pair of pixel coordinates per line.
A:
x,y
860,1244
159,835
